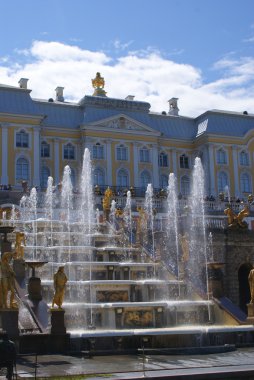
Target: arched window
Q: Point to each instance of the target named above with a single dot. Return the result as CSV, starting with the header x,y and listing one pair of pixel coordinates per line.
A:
x,y
145,179
221,157
185,186
69,152
22,139
22,169
163,181
244,158
45,173
144,155
184,162
222,181
122,178
99,177
98,151
163,160
45,149
122,153
245,183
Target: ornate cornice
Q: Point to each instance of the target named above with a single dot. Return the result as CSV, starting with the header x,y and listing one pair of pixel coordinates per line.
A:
x,y
99,101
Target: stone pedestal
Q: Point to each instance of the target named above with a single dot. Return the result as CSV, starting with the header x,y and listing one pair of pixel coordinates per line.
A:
x,y
215,279
34,289
57,322
9,321
250,318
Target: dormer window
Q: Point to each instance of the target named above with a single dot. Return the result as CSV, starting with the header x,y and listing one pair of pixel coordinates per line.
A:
x,y
22,139
69,152
184,162
98,151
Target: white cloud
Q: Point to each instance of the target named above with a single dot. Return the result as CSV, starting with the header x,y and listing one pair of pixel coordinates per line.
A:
x,y
147,75
121,45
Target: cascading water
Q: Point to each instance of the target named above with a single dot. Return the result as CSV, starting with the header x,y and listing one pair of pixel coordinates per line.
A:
x,y
198,242
172,228
67,204
49,204
150,217
127,215
33,207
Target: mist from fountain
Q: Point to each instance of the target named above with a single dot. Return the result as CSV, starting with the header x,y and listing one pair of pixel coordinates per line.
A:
x,y
127,217
33,212
149,209
49,204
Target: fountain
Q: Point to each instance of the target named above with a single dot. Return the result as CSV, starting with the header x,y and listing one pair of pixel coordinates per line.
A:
x,y
110,293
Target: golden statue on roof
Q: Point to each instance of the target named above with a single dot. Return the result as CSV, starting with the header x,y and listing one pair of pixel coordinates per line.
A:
x,y
98,85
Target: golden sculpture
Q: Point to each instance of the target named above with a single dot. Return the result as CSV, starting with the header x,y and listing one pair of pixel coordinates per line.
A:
x,y
237,220
141,225
184,242
98,85
106,202
7,282
251,285
19,245
60,280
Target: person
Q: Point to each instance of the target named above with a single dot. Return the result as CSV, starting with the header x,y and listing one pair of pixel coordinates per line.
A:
x,y
60,280
251,285
8,354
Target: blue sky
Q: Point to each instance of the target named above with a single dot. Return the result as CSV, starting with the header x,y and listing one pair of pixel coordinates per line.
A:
x,y
198,50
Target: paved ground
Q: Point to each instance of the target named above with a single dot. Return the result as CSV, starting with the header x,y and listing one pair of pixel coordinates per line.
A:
x,y
233,365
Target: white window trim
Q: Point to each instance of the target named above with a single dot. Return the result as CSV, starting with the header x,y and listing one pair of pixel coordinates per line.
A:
x,y
26,157
75,151
29,133
122,145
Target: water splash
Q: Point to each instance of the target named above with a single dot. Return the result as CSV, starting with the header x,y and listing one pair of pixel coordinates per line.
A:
x,y
127,216
150,217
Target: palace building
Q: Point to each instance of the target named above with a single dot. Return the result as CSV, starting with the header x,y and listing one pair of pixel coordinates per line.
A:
x,y
130,145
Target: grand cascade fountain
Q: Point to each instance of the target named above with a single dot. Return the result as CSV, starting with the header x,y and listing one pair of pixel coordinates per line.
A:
x,y
131,280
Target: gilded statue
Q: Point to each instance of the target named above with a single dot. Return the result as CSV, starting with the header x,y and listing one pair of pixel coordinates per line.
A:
x,y
7,282
60,280
237,220
98,81
106,202
251,285
184,242
141,224
19,244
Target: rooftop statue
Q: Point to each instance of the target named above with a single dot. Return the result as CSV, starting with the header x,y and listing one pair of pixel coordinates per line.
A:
x,y
98,84
236,221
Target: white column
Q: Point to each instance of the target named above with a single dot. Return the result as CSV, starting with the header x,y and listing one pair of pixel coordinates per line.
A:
x,y
236,176
56,161
36,175
4,178
156,183
109,163
174,162
211,170
135,164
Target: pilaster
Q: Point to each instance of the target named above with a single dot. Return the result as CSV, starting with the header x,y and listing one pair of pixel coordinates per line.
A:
x,y
36,175
4,178
212,190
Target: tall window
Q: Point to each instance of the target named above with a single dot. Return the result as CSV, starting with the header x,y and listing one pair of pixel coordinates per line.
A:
x,y
99,177
144,155
98,151
244,158
45,149
69,152
145,179
122,178
45,173
122,153
22,139
222,181
163,181
163,160
221,157
22,169
185,185
245,183
184,162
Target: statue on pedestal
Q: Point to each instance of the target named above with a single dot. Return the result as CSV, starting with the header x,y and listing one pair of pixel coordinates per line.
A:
x,y
251,285
7,282
106,202
60,280
19,245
